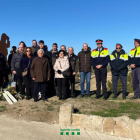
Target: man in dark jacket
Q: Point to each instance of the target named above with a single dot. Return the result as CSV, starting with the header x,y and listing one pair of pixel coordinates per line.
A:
x,y
15,67
12,52
119,63
84,58
40,72
99,60
63,47
54,55
73,69
134,62
2,68
47,54
35,47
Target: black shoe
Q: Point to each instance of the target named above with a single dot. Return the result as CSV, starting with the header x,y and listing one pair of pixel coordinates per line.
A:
x,y
44,99
105,98
97,97
88,95
134,97
82,95
73,97
35,100
124,95
27,98
115,95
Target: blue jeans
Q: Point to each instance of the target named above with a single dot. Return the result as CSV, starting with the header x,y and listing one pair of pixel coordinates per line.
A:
x,y
84,75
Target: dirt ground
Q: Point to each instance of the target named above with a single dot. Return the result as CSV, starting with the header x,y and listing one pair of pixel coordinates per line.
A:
x,y
48,111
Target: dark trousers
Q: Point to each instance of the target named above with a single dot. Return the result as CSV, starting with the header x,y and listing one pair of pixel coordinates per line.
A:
x,y
20,81
29,85
62,87
72,85
37,87
136,81
123,80
101,76
1,80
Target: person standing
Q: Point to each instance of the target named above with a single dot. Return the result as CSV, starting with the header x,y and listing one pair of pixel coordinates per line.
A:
x,y
84,58
119,63
134,61
61,65
15,67
63,47
35,47
46,54
2,69
12,52
54,55
99,60
73,60
25,63
40,73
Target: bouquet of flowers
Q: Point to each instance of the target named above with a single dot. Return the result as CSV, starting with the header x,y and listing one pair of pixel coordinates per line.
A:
x,y
11,89
18,96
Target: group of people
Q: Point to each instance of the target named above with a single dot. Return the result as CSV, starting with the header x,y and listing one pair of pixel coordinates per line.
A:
x,y
49,72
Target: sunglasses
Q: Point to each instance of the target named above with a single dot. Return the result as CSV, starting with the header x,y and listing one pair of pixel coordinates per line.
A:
x,y
28,51
118,48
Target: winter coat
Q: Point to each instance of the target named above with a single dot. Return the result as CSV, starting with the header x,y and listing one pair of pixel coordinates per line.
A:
x,y
40,69
3,66
84,58
64,66
54,56
74,64
35,49
15,63
119,63
25,62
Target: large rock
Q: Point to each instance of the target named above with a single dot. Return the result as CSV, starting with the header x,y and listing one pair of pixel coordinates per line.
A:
x,y
77,120
108,126
123,127
65,114
93,123
136,129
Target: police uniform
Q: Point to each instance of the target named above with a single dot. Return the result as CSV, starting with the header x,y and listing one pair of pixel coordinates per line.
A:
x,y
134,58
100,56
119,63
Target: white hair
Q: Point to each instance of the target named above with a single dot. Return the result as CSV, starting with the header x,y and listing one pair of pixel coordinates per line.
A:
x,y
40,50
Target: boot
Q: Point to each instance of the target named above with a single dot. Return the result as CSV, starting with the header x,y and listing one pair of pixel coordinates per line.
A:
x,y
88,95
134,97
124,95
115,95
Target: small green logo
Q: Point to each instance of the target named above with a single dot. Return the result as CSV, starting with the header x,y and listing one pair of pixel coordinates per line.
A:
x,y
70,131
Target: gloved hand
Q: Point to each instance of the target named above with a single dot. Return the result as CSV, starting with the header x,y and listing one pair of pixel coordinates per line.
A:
x,y
59,71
